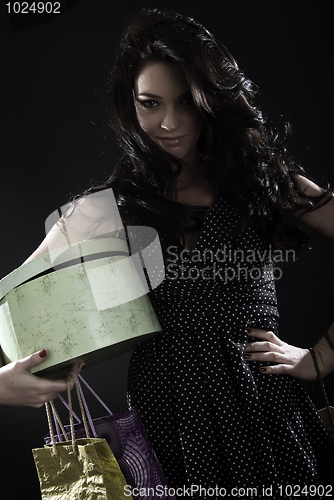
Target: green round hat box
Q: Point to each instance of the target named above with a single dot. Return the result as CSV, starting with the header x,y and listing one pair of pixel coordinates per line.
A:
x,y
85,303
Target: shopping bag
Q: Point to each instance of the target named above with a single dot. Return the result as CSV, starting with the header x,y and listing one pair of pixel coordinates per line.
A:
x,y
130,445
80,469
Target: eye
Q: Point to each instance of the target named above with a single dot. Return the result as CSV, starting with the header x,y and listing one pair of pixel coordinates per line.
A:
x,y
148,103
188,100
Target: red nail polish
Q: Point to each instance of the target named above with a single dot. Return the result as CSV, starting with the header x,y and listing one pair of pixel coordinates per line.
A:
x,y
262,370
84,366
43,353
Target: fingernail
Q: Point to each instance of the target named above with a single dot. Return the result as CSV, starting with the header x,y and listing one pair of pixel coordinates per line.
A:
x,y
248,330
262,370
247,356
83,367
43,353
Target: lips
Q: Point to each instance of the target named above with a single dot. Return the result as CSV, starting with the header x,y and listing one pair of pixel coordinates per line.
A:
x,y
171,141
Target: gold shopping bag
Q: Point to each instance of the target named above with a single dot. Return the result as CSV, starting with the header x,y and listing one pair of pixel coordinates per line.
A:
x,y
81,469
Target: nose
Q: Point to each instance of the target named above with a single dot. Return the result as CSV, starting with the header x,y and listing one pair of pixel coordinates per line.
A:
x,y
171,119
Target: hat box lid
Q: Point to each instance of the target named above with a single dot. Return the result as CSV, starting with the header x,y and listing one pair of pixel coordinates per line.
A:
x,y
87,302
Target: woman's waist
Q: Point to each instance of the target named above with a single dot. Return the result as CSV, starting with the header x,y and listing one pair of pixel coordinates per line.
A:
x,y
208,297
215,315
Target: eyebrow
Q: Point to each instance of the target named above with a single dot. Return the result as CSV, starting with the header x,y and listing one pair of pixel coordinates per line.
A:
x,y
147,94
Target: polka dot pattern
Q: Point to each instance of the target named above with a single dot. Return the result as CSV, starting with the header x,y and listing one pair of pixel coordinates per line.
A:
x,y
213,419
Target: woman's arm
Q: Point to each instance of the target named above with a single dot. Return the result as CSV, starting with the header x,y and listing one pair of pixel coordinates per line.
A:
x,y
290,359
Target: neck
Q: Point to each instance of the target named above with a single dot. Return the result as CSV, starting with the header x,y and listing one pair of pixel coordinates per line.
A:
x,y
190,174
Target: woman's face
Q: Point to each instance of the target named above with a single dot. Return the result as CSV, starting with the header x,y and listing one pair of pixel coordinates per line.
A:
x,y
166,111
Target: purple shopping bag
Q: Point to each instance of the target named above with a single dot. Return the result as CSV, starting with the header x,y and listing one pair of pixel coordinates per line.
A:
x,y
127,438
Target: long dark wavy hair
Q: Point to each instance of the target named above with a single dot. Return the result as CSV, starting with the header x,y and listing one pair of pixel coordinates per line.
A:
x,y
245,157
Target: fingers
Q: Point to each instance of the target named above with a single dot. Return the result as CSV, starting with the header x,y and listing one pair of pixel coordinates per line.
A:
x,y
69,380
271,349
264,335
18,387
263,346
49,389
34,359
273,357
276,369
76,369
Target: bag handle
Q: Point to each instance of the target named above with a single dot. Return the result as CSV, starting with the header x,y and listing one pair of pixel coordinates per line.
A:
x,y
90,420
83,397
66,406
48,413
94,394
58,423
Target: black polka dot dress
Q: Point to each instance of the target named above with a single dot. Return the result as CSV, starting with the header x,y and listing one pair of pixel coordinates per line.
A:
x,y
213,418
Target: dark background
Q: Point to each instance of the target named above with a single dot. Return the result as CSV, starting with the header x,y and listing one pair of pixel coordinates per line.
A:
x,y
53,142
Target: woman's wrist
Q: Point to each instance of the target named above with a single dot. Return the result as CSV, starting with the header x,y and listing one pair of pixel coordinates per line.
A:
x,y
323,354
307,367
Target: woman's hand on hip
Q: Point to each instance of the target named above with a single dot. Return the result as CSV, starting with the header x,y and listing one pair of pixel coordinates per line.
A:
x,y
290,360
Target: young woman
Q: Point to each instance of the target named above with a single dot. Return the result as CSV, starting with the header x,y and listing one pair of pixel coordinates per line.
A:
x,y
201,165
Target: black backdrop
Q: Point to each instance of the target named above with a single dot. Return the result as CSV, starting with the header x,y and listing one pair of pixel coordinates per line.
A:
x,y
53,142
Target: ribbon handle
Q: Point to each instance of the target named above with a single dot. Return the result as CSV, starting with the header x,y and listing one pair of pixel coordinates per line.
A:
x,y
83,415
94,394
90,420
